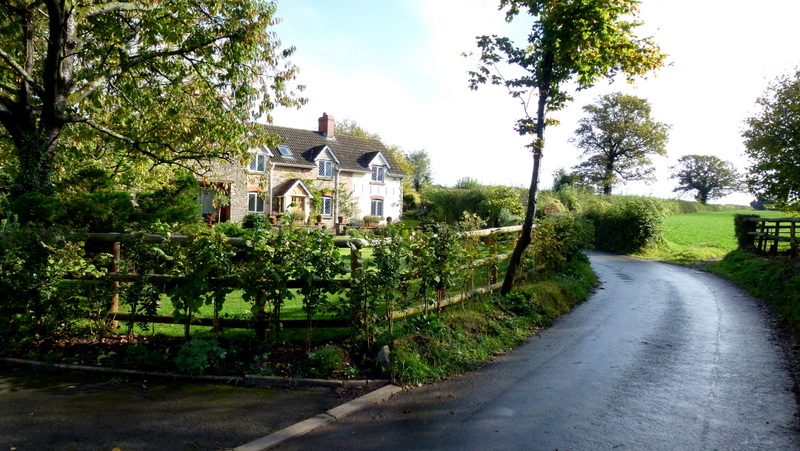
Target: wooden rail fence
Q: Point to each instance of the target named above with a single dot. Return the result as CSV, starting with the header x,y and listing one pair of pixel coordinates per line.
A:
x,y
489,237
774,235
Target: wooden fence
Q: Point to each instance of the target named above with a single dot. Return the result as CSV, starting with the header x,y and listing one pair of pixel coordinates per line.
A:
x,y
489,237
774,235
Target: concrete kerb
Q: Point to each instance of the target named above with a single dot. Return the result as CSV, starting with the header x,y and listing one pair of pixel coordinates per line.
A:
x,y
246,381
330,416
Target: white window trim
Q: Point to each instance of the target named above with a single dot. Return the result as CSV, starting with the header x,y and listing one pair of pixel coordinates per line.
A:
x,y
327,211
376,207
254,198
323,165
378,174
254,163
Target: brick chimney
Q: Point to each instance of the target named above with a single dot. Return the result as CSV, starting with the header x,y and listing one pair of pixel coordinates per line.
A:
x,y
326,126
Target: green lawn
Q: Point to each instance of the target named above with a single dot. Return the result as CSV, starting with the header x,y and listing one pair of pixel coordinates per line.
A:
x,y
693,237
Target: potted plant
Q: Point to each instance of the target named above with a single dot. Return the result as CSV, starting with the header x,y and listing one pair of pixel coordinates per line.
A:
x,y
298,217
371,220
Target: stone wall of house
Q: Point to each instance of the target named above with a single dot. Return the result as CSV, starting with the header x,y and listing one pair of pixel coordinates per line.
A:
x,y
234,177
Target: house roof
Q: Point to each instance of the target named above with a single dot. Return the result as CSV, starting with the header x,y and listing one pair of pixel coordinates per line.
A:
x,y
354,154
286,188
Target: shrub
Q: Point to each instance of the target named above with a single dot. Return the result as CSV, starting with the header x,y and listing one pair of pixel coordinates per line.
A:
x,y
559,240
230,229
255,221
327,361
629,225
196,356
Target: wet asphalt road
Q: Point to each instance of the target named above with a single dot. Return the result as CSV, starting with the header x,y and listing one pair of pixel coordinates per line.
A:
x,y
660,358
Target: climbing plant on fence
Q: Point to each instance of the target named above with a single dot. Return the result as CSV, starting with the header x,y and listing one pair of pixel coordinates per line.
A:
x,y
198,271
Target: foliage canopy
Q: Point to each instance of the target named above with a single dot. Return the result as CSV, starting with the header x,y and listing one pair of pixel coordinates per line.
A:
x,y
618,136
128,86
709,176
772,141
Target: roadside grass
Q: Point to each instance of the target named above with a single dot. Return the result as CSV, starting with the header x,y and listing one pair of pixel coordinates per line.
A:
x,y
429,348
774,279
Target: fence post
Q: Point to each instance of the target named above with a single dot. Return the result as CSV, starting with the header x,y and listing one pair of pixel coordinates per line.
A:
x,y
356,310
493,266
113,268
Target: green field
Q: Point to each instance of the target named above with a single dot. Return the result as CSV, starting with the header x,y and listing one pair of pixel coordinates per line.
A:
x,y
693,237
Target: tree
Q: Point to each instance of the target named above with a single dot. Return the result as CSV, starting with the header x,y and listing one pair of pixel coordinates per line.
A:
x,y
710,176
772,141
134,85
570,40
618,136
421,173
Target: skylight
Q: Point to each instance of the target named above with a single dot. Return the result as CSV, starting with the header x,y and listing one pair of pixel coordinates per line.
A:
x,y
285,151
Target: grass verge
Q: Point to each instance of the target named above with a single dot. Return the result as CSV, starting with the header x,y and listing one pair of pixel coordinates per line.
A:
x,y
773,279
427,348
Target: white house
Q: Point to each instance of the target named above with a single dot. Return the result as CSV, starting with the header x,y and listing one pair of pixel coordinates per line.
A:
x,y
313,172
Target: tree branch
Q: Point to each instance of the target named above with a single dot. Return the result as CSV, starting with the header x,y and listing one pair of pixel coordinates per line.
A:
x,y
28,78
96,10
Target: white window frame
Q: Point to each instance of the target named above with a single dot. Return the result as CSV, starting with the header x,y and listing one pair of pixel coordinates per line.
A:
x,y
376,207
325,168
259,163
255,202
378,174
326,209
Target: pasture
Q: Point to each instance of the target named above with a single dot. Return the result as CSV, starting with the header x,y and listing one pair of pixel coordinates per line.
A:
x,y
696,237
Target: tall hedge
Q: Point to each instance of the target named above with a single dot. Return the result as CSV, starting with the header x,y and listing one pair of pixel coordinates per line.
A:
x,y
630,225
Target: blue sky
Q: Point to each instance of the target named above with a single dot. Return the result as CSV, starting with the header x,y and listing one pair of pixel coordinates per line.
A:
x,y
395,67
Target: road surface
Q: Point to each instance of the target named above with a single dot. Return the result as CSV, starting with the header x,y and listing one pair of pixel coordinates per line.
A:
x,y
659,358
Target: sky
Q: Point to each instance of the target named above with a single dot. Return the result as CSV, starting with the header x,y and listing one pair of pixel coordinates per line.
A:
x,y
397,69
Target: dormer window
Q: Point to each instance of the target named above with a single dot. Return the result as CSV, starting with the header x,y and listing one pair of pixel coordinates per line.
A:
x,y
259,162
325,168
378,173
285,151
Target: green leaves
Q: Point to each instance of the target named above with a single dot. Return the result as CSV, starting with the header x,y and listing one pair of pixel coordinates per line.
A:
x,y
710,176
772,141
136,85
618,136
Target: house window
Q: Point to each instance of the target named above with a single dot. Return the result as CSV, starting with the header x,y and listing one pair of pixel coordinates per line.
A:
x,y
327,206
376,207
325,168
259,162
285,151
207,204
255,203
378,173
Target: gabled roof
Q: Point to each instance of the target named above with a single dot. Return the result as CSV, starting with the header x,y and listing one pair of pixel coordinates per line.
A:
x,y
353,154
288,186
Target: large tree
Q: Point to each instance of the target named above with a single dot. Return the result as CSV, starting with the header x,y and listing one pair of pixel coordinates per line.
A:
x,y
772,141
580,41
617,137
708,176
130,85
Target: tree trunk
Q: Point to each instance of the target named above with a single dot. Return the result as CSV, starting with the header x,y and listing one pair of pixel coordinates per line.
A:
x,y
36,158
533,193
527,227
